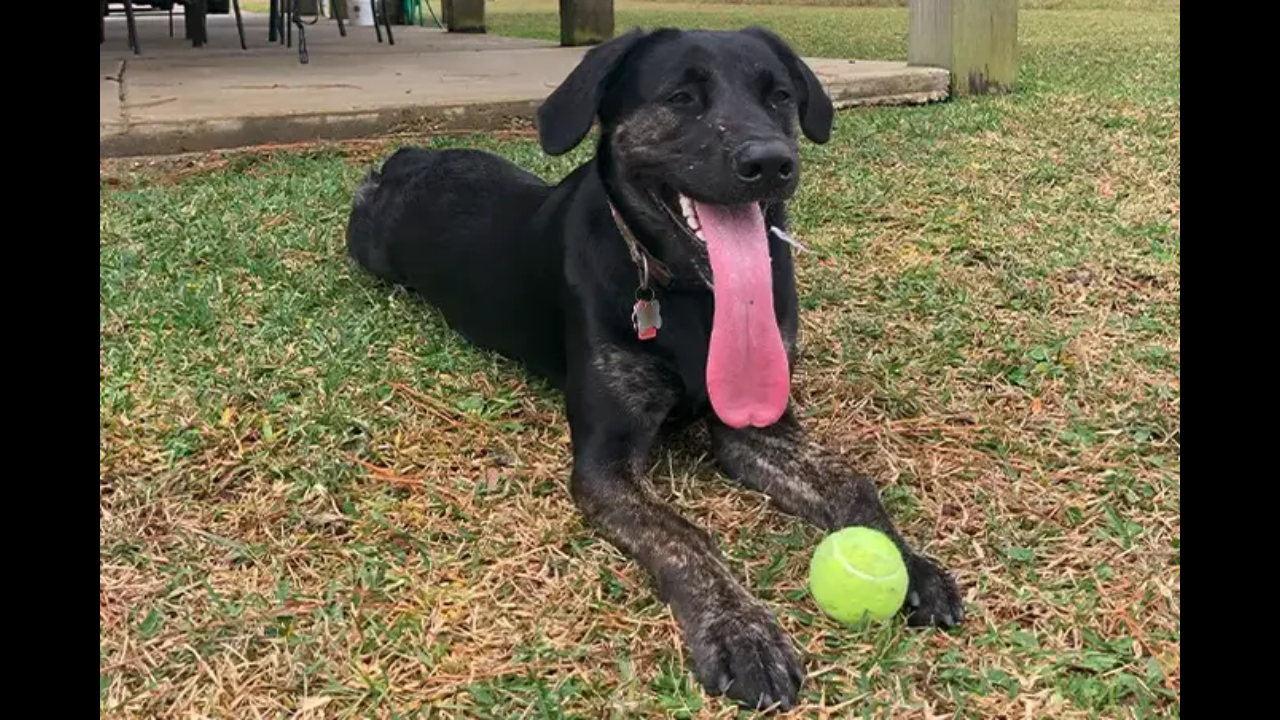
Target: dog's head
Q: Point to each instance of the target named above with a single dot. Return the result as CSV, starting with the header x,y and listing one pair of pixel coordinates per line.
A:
x,y
691,119
699,148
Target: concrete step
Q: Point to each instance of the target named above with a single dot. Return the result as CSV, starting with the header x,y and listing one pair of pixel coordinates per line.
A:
x,y
176,98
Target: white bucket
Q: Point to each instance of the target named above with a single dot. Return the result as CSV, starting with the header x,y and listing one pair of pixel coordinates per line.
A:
x,y
361,11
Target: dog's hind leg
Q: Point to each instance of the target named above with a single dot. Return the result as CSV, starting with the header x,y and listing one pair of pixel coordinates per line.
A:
x,y
616,402
813,484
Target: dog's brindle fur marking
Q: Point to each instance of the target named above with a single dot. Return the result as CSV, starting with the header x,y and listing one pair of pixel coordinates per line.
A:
x,y
815,485
732,636
542,275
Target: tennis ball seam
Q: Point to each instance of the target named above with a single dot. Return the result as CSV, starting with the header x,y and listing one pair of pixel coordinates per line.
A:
x,y
863,575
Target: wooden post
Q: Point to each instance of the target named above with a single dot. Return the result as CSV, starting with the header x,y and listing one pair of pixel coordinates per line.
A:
x,y
585,22
975,39
466,16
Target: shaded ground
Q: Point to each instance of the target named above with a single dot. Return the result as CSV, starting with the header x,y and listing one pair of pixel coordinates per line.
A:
x,y
313,496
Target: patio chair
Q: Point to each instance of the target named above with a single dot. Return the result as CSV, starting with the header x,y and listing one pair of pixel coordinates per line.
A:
x,y
195,18
285,15
129,21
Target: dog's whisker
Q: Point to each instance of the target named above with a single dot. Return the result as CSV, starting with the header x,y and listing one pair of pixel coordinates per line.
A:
x,y
786,238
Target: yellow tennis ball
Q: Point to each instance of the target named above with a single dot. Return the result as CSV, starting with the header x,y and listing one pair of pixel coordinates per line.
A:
x,y
858,574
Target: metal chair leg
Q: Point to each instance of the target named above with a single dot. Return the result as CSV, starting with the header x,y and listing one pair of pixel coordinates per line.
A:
x,y
196,19
333,9
239,24
303,56
391,39
133,27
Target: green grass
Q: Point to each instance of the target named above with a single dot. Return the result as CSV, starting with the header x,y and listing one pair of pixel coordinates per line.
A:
x,y
314,496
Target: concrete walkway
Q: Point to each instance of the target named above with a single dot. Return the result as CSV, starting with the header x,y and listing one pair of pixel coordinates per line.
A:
x,y
176,98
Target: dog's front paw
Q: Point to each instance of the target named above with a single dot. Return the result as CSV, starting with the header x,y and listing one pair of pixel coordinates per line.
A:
x,y
739,650
932,595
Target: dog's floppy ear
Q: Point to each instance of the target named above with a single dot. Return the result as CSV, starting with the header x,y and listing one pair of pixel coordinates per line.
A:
x,y
816,111
566,116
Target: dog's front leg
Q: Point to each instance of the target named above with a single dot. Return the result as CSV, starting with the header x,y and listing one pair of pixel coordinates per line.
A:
x,y
616,405
813,484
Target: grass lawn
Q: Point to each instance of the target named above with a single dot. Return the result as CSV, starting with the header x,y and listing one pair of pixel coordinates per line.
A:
x,y
313,496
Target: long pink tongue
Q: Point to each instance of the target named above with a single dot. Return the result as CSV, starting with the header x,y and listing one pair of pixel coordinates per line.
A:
x,y
747,377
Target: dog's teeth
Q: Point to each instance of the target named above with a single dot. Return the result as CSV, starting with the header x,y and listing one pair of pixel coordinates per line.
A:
x,y
698,234
690,214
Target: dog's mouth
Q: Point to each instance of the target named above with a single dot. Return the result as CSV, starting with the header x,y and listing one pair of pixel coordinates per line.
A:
x,y
683,211
748,381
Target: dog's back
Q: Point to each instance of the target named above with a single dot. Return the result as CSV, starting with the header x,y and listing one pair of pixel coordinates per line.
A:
x,y
457,228
420,194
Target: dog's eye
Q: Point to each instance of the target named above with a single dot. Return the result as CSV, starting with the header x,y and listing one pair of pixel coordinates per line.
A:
x,y
680,97
779,97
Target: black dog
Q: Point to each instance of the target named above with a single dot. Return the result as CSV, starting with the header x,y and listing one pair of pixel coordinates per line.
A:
x,y
655,286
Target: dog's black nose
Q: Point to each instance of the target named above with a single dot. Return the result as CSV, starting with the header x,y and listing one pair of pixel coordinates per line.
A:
x,y
767,162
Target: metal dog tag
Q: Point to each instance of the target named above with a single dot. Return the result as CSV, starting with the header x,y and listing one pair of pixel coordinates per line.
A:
x,y
646,316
